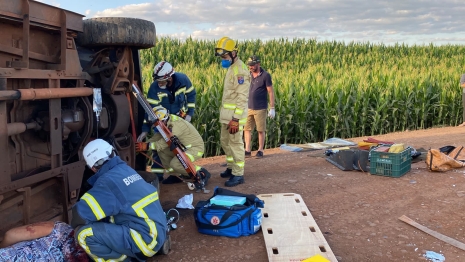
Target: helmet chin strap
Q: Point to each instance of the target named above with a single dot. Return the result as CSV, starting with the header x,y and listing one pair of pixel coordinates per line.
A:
x,y
233,57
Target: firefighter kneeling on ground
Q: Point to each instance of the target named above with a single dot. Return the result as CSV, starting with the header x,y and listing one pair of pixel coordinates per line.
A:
x,y
120,218
188,136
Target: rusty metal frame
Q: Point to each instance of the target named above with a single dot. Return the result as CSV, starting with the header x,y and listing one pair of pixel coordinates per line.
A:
x,y
41,14
78,166
26,192
44,93
63,180
55,127
35,74
5,177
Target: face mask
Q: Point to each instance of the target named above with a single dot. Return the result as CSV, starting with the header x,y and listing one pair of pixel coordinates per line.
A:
x,y
225,63
162,87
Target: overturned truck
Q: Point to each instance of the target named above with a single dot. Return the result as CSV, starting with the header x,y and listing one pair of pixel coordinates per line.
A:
x,y
51,63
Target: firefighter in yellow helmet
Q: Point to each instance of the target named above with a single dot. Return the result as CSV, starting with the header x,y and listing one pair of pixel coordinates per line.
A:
x,y
233,111
189,137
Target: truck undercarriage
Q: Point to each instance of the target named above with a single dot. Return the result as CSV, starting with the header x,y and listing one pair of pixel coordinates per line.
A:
x,y
51,60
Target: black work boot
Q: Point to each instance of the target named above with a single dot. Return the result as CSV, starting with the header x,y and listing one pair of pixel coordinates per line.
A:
x,y
172,180
205,175
234,181
227,173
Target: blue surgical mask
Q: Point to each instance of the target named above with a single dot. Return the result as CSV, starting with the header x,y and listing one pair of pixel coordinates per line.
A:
x,y
225,63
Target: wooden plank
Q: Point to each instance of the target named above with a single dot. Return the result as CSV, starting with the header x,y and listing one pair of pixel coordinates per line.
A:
x,y
290,231
435,234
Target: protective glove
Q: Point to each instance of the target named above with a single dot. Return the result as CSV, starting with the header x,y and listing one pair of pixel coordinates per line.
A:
x,y
233,126
141,146
271,113
188,118
141,137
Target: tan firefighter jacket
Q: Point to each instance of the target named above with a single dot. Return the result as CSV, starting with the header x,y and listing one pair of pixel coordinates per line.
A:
x,y
235,93
184,131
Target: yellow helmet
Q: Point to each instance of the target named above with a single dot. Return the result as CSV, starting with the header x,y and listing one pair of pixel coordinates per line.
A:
x,y
161,113
225,45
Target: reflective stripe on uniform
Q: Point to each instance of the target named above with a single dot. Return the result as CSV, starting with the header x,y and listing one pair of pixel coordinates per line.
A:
x,y
242,121
153,145
240,164
191,157
197,168
174,118
188,146
153,101
141,244
94,206
238,111
229,159
236,70
180,91
138,207
112,219
199,153
190,89
229,106
121,258
191,105
161,95
158,170
82,242
170,170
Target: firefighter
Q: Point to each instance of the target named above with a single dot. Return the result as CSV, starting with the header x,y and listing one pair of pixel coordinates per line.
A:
x,y
233,111
188,136
173,91
120,217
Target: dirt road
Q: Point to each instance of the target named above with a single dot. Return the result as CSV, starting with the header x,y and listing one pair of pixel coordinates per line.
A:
x,y
357,212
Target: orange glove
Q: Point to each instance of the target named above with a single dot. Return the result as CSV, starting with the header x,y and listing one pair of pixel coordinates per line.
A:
x,y
141,146
233,126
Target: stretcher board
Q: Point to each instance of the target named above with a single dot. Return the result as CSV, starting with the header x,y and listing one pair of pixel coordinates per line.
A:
x,y
290,232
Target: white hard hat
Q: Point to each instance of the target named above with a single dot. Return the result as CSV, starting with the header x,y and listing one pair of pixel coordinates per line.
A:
x,y
97,150
161,113
162,71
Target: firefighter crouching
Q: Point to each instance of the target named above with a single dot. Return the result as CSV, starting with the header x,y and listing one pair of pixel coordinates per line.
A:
x,y
173,91
120,217
188,136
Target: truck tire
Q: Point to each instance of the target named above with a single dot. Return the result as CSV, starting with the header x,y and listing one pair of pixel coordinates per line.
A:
x,y
117,31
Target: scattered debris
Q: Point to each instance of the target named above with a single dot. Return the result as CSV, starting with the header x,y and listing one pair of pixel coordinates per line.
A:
x,y
435,234
186,202
435,257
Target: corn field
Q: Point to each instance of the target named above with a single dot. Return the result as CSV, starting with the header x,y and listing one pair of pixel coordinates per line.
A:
x,y
326,89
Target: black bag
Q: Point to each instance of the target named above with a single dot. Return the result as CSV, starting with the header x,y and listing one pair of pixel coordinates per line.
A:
x,y
230,221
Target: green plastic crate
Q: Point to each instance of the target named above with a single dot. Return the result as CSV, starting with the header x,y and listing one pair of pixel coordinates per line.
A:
x,y
390,164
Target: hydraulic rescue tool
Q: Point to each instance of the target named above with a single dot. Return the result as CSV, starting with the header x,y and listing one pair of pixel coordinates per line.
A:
x,y
173,142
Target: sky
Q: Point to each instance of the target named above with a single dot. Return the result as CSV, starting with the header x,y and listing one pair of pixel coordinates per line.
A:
x,y
412,22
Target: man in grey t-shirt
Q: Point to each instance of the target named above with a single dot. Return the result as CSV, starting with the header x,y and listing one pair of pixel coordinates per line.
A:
x,y
261,87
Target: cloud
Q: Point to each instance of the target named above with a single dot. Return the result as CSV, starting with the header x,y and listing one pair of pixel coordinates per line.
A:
x,y
358,20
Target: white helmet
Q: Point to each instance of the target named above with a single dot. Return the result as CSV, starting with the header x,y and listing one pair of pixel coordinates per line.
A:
x,y
97,150
162,71
161,113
